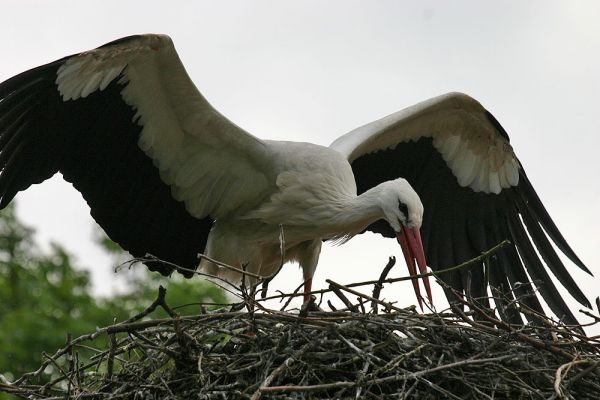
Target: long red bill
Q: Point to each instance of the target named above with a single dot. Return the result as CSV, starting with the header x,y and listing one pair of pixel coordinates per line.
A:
x,y
412,248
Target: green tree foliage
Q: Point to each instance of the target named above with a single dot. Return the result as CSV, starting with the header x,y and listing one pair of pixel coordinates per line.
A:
x,y
43,297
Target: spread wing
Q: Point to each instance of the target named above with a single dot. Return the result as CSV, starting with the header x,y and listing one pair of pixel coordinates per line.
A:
x,y
125,124
475,193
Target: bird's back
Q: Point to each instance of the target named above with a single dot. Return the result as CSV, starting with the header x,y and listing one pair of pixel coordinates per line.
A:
x,y
308,178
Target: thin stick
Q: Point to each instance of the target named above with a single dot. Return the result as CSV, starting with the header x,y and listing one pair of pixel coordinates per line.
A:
x,y
351,307
414,375
466,264
366,296
231,267
379,285
267,280
288,362
533,341
559,375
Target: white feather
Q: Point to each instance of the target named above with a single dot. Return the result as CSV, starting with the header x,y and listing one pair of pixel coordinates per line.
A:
x,y
481,181
512,172
494,182
91,85
451,146
458,124
187,174
196,189
455,159
466,167
502,177
109,75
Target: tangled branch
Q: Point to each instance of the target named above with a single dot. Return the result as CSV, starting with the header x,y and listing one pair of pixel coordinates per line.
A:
x,y
382,351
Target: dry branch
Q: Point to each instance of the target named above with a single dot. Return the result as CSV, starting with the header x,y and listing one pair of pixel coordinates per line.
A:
x,y
389,353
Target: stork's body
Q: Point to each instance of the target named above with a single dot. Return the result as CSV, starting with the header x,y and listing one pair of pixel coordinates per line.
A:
x,y
165,173
314,198
294,206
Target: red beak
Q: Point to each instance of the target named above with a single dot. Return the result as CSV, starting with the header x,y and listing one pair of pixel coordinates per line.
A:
x,y
412,247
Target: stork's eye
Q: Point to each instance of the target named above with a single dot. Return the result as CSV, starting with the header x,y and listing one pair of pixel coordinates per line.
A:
x,y
403,208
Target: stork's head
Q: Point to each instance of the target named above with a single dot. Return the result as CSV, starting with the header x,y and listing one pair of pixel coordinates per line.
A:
x,y
403,210
401,205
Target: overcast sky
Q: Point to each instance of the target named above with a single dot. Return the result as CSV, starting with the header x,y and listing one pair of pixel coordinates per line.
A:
x,y
313,70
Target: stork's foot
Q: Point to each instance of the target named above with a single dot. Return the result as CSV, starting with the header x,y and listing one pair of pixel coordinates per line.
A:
x,y
309,306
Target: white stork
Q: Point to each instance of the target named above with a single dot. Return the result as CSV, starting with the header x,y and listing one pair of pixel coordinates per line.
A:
x,y
165,173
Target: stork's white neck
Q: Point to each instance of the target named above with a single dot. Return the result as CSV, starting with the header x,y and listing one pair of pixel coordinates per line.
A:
x,y
356,213
337,214
380,202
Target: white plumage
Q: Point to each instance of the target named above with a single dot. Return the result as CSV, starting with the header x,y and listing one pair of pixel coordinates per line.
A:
x,y
165,173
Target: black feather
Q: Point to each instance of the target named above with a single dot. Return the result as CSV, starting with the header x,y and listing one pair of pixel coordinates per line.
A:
x,y
92,141
458,224
537,271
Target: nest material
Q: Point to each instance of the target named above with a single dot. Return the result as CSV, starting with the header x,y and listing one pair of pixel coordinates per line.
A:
x,y
371,349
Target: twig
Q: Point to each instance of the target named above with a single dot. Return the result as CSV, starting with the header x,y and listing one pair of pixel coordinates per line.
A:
x,y
71,359
533,341
559,375
595,365
289,298
267,280
337,354
288,362
230,267
308,388
466,264
379,285
111,356
387,305
344,299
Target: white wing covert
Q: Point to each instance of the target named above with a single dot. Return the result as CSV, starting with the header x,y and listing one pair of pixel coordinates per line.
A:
x,y
210,163
478,154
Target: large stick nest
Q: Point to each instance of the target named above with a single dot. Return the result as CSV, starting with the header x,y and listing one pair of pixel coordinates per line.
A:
x,y
370,349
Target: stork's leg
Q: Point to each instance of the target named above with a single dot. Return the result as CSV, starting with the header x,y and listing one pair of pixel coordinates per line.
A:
x,y
307,288
308,257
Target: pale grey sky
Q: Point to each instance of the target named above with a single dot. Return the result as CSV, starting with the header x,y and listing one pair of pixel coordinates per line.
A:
x,y
313,70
